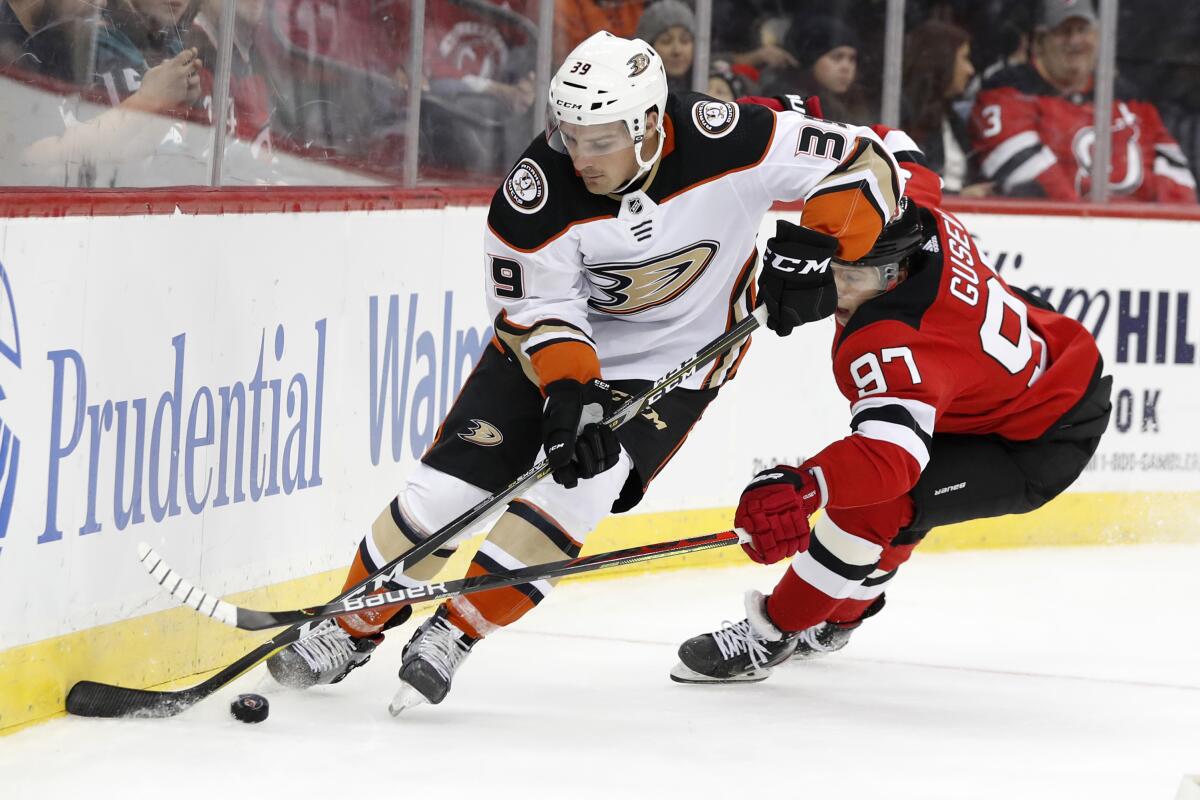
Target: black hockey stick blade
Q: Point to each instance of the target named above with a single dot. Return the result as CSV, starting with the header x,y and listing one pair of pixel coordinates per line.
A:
x,y
90,698
252,620
94,699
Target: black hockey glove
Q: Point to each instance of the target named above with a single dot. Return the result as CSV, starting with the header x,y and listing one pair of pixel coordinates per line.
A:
x,y
809,105
796,284
578,444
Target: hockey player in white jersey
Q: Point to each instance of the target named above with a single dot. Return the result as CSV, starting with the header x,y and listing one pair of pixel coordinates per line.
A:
x,y
617,246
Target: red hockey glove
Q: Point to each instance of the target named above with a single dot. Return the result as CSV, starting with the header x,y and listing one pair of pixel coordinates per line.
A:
x,y
774,510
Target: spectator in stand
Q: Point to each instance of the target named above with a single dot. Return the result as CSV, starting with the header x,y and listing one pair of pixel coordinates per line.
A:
x,y
1032,124
669,26
137,36
937,70
57,39
576,20
730,81
745,29
51,38
251,99
479,64
827,64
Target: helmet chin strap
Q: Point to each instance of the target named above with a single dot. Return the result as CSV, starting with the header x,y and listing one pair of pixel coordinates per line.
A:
x,y
644,166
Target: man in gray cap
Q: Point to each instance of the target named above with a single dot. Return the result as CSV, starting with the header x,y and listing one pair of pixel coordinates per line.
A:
x,y
1032,124
1066,42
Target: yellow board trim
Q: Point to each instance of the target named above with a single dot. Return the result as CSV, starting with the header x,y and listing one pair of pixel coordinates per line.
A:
x,y
178,647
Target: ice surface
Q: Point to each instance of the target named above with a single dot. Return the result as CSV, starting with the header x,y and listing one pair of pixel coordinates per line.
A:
x,y
1055,673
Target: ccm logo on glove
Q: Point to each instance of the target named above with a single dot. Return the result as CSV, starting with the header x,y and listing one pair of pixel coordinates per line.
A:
x,y
796,284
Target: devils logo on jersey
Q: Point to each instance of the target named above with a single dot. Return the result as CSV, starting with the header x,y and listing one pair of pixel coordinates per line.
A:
x,y
630,288
1125,173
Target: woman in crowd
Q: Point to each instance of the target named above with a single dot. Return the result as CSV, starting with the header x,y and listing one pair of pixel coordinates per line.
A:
x,y
669,26
827,54
937,70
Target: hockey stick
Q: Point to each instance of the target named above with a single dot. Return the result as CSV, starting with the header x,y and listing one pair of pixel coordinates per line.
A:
x,y
250,619
94,699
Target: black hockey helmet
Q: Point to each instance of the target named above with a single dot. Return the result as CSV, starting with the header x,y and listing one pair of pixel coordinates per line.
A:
x,y
898,239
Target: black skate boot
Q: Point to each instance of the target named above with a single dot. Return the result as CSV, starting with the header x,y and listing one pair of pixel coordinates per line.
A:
x,y
737,653
431,658
829,637
326,655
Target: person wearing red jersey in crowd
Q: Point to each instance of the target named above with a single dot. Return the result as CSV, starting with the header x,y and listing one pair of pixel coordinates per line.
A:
x,y
968,399
1033,123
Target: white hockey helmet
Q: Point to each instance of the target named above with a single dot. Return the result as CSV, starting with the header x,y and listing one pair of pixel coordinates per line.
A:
x,y
609,79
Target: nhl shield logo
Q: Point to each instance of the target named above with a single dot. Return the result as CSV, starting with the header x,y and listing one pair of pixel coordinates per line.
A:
x,y
638,64
525,187
715,118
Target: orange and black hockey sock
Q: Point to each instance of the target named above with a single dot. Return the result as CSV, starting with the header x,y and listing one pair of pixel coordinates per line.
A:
x,y
524,536
391,536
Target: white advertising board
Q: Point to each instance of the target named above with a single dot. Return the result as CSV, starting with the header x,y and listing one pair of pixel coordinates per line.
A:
x,y
246,392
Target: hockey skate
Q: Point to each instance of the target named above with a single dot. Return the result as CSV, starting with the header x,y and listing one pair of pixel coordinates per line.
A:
x,y
326,655
430,660
737,653
829,637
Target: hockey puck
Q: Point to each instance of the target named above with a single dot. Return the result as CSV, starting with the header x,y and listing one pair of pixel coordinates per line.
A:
x,y
250,708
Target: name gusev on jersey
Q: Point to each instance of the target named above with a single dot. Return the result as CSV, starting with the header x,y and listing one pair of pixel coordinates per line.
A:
x,y
629,286
954,349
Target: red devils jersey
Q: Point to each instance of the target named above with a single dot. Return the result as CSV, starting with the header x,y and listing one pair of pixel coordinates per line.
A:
x,y
1034,140
952,349
462,40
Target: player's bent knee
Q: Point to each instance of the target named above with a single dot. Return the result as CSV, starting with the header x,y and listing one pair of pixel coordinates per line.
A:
x,y
847,546
577,511
431,499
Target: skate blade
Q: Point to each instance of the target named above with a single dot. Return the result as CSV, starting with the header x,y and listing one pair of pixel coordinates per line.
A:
x,y
406,697
681,673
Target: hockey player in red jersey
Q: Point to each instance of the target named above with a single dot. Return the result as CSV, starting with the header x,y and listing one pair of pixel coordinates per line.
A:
x,y
619,245
968,399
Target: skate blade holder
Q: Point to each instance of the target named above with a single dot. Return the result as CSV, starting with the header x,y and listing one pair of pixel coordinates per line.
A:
x,y
406,697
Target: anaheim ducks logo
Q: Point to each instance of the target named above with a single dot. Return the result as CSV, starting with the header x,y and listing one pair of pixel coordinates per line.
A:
x,y
638,64
482,433
525,187
715,118
630,288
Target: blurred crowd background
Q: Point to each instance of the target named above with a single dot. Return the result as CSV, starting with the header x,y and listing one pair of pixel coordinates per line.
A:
x,y
1001,95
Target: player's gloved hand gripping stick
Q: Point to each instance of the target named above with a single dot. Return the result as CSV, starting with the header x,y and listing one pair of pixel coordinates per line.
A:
x,y
94,699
